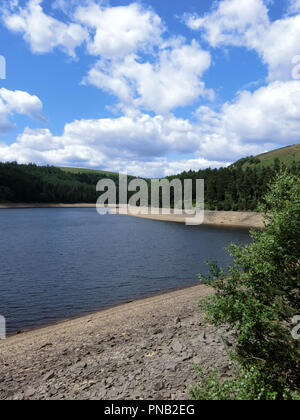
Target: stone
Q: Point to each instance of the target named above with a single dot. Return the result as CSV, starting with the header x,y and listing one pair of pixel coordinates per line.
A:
x,y
29,392
48,376
177,346
46,345
159,386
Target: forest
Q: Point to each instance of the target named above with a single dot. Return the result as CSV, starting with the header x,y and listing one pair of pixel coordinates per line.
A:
x,y
239,187
46,184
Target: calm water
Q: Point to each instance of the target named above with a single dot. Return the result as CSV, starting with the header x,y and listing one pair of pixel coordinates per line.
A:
x,y
59,263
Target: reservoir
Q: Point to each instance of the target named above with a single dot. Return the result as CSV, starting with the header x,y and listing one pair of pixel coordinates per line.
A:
x,y
59,263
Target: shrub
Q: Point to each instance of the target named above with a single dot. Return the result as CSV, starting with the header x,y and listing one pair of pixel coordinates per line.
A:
x,y
259,294
243,385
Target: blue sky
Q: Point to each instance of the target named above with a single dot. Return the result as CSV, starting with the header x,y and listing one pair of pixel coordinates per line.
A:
x,y
152,87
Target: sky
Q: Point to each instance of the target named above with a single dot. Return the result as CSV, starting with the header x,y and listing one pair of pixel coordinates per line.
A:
x,y
151,88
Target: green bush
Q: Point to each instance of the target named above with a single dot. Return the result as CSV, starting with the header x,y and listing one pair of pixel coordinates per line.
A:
x,y
243,385
259,294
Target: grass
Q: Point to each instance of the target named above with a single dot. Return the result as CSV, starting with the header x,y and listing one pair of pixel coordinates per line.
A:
x,y
286,155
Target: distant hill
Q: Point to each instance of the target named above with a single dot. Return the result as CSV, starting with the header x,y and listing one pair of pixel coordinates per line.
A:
x,y
240,186
86,171
285,155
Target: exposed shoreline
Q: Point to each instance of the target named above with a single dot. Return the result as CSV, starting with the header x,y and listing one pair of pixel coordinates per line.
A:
x,y
247,220
139,350
86,314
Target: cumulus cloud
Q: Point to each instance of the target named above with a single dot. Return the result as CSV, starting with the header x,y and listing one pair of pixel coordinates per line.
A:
x,y
270,113
173,80
246,23
43,32
169,76
121,30
253,122
294,6
136,60
18,102
148,70
141,144
235,22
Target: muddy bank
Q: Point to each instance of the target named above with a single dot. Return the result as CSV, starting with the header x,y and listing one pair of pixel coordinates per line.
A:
x,y
140,350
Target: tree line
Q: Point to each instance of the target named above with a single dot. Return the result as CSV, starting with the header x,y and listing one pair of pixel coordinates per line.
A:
x,y
239,187
47,184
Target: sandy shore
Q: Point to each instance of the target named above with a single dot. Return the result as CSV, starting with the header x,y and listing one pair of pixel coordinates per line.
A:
x,y
247,220
140,350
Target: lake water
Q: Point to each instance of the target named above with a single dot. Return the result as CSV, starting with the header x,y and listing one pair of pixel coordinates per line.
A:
x,y
60,263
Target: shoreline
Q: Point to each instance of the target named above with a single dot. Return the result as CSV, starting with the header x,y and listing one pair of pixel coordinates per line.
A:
x,y
246,220
144,349
87,314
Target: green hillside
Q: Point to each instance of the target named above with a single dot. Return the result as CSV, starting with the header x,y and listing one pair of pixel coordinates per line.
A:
x,y
86,171
285,155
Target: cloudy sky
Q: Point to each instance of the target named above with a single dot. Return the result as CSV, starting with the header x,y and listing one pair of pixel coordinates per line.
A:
x,y
152,87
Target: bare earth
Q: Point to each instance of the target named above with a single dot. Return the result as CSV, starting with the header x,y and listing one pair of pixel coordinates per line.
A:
x,y
248,220
141,350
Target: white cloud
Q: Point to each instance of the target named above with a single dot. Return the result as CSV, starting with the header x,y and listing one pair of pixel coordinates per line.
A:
x,y
170,82
138,61
235,22
18,102
148,70
254,122
120,30
245,23
43,32
294,6
141,144
270,113
169,76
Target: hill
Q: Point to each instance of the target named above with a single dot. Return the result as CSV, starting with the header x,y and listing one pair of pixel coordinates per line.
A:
x,y
86,171
48,184
240,186
285,155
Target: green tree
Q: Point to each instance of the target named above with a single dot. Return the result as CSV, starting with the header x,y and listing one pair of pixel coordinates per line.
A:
x,y
259,294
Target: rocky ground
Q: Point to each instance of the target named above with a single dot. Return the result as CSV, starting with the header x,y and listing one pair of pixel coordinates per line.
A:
x,y
141,350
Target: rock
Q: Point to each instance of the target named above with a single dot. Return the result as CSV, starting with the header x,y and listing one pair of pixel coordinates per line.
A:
x,y
197,360
186,356
172,366
48,376
143,344
46,345
177,346
29,392
159,386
